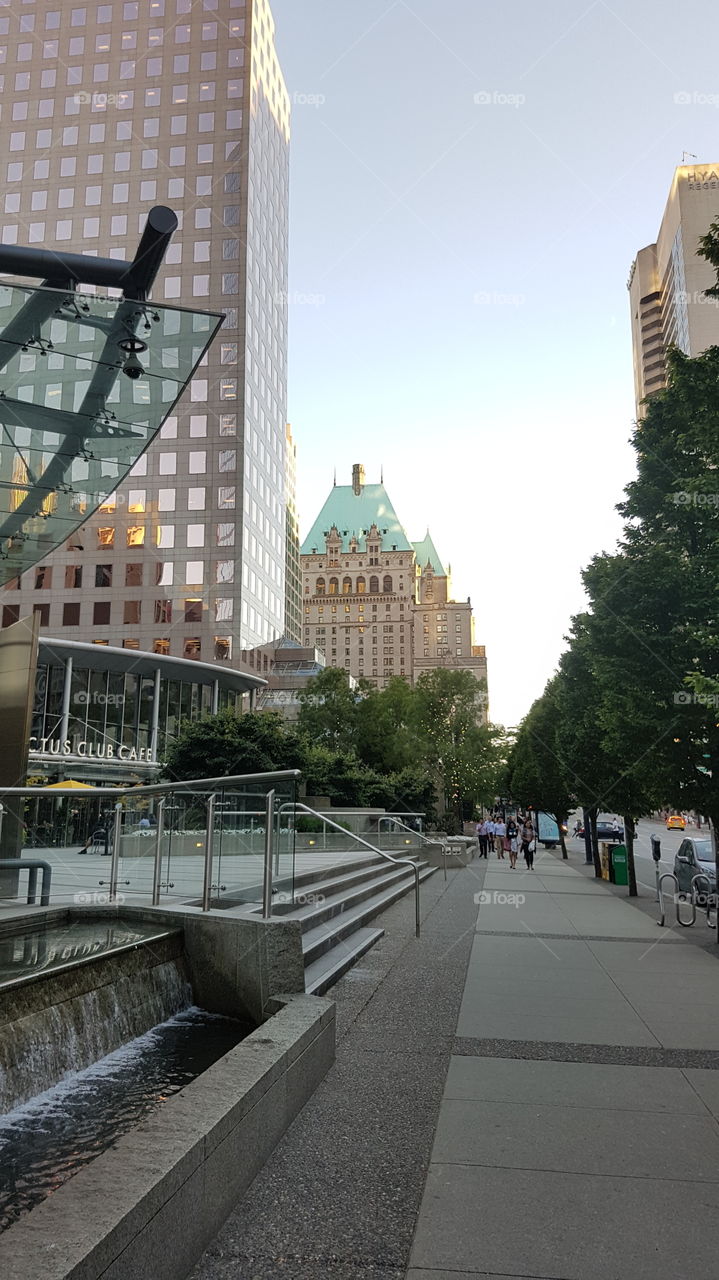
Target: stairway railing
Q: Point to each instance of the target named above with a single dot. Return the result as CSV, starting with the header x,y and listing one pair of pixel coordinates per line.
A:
x,y
381,853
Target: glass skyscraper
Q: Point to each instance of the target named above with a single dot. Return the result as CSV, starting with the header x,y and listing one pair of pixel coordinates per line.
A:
x,y
109,109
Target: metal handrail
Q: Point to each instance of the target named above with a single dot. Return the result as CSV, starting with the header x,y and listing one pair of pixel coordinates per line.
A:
x,y
398,862
388,817
159,788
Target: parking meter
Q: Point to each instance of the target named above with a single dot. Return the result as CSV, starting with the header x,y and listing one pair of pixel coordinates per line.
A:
x,y
656,848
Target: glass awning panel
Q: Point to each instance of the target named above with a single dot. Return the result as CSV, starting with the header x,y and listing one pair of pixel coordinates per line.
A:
x,y
86,382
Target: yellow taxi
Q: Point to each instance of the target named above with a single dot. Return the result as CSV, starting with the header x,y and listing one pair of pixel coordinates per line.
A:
x,y
675,822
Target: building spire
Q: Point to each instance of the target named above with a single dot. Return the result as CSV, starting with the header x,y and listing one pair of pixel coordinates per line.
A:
x,y
334,482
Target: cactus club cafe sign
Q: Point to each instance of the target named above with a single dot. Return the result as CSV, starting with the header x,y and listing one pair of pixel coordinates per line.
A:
x,y
91,750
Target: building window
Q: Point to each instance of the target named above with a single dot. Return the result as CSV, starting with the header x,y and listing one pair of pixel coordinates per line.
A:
x,y
133,575
43,578
106,537
334,587
386,583
71,615
10,614
161,646
101,613
193,647
346,586
361,586
193,610
320,588
103,575
163,611
131,612
73,576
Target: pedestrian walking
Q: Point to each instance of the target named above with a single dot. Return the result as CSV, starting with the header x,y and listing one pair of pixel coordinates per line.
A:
x,y
512,834
483,836
500,832
528,839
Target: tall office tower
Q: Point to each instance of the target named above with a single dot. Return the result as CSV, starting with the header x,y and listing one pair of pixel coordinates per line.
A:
x,y
293,577
109,109
668,280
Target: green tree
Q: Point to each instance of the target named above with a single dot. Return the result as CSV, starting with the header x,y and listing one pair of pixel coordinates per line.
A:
x,y
227,744
386,735
537,775
459,756
328,711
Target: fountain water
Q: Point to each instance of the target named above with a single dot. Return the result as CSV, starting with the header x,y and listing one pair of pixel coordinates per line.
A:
x,y
68,1015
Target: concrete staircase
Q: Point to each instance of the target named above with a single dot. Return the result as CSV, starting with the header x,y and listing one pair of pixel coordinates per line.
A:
x,y
336,909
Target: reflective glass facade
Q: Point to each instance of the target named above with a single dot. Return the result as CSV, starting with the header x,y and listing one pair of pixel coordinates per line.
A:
x,y
112,109
118,721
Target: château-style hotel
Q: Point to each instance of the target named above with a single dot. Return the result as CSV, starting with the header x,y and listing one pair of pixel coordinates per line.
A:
x,y
376,604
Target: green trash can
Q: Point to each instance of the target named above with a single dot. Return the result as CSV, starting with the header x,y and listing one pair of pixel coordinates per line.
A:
x,y
619,864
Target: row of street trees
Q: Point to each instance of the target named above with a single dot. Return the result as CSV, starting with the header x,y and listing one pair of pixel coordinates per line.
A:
x,y
630,722
405,748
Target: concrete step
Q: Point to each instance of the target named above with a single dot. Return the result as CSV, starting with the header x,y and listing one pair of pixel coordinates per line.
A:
x,y
323,972
338,898
333,885
323,936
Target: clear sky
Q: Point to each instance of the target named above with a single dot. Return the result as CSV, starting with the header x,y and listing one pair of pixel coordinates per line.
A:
x,y
470,184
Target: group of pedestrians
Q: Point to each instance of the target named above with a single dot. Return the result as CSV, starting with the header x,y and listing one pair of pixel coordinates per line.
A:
x,y
510,837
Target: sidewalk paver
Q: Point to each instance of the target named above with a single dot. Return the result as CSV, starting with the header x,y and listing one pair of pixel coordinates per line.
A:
x,y
579,1116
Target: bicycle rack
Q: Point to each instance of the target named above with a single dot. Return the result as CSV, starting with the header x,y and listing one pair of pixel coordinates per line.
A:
x,y
685,924
711,901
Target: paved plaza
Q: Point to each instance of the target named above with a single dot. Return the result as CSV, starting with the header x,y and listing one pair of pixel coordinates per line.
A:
x,y
531,1090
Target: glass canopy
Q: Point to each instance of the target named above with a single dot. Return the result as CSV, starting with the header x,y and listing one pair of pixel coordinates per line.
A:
x,y
86,382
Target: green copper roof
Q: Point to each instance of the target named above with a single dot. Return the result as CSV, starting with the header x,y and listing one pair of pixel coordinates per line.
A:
x,y
425,552
354,514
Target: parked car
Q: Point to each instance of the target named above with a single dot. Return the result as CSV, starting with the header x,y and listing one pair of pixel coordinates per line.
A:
x,y
675,822
694,857
606,831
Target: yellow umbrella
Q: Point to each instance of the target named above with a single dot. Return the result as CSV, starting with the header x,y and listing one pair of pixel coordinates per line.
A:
x,y
71,785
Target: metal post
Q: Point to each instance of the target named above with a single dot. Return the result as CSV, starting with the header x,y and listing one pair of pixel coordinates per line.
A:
x,y
2,815
115,863
65,713
267,876
157,873
278,838
656,855
207,883
154,731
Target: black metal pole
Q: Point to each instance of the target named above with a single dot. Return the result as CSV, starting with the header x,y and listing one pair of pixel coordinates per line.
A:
x,y
59,269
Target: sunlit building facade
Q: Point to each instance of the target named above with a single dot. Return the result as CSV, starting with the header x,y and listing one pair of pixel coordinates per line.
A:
x,y
669,279
374,603
108,110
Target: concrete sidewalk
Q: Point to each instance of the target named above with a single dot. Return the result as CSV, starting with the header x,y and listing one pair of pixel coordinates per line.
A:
x,y
577,1133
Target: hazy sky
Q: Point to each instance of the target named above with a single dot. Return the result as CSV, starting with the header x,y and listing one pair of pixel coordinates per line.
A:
x,y
470,184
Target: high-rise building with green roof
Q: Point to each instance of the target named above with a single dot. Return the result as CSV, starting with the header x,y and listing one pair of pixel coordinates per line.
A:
x,y
376,604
